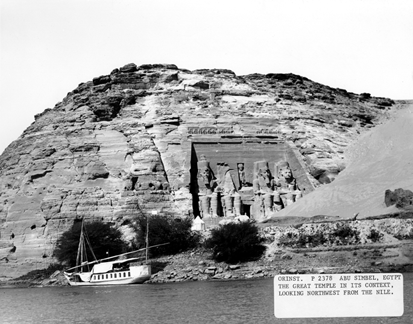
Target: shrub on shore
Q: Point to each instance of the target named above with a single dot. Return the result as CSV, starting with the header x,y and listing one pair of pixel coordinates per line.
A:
x,y
165,229
235,242
339,234
375,236
313,236
105,241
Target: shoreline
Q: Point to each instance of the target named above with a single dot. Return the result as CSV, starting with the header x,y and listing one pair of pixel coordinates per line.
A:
x,y
368,259
408,268
290,249
195,265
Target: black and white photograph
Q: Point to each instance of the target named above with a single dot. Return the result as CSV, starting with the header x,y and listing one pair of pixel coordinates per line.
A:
x,y
206,161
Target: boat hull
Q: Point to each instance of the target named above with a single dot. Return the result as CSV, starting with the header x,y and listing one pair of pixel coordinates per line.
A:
x,y
130,281
135,275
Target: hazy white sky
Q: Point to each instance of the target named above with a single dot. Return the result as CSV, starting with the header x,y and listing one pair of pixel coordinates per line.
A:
x,y
48,47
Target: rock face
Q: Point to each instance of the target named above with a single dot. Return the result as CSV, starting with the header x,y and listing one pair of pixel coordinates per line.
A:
x,y
399,197
132,141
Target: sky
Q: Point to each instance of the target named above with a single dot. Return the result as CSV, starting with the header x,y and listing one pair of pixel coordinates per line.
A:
x,y
48,47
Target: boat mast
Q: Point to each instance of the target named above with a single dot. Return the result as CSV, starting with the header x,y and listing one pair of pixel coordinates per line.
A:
x,y
79,256
154,212
147,239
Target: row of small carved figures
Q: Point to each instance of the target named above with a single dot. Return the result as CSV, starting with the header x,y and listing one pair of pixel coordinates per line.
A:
x,y
228,130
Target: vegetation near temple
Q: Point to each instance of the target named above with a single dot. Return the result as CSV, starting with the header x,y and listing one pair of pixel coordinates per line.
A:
x,y
235,242
106,241
164,229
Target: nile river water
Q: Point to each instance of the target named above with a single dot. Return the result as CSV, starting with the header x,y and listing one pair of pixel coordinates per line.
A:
x,y
247,301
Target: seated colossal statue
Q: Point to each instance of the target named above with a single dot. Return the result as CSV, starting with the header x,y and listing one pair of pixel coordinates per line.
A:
x,y
263,186
263,181
206,186
286,184
206,180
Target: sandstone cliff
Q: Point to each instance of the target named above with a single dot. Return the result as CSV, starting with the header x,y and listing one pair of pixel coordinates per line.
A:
x,y
123,143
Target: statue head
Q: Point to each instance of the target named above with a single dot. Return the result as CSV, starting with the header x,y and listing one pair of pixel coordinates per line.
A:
x,y
265,174
262,172
240,166
204,174
284,171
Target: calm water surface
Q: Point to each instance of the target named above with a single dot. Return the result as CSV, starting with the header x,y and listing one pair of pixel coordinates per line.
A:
x,y
189,302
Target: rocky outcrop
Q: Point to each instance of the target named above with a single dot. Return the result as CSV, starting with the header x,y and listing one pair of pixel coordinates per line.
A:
x,y
401,198
340,233
122,144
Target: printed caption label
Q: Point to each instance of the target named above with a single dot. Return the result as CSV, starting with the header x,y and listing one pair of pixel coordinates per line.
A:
x,y
338,295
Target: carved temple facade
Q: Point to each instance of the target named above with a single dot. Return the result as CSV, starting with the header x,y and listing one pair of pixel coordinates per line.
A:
x,y
249,176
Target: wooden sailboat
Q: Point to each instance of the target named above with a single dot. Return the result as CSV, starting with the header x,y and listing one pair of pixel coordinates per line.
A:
x,y
103,272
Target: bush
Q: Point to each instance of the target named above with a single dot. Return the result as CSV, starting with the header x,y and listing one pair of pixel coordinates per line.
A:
x,y
302,240
235,242
346,233
375,236
165,229
339,234
105,241
312,240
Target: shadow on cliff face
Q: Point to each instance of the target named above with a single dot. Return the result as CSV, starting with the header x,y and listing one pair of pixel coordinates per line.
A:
x,y
381,159
158,266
